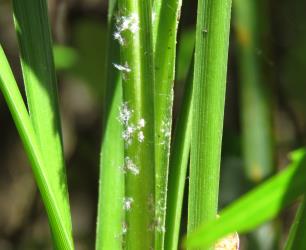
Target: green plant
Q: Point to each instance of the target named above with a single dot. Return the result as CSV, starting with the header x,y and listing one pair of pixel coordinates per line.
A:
x,y
210,67
138,208
255,98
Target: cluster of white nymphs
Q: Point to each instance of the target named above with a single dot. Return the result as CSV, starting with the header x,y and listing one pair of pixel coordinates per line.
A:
x,y
130,166
159,225
127,203
126,23
165,130
128,133
140,125
125,114
130,129
159,209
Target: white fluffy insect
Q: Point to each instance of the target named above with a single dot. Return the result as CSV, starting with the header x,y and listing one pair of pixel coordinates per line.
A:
x,y
127,134
141,123
123,68
127,203
124,113
130,130
117,36
130,166
126,23
140,136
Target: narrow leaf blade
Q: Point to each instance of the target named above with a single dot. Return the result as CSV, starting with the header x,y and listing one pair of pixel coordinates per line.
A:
x,y
179,159
164,60
33,31
110,219
9,88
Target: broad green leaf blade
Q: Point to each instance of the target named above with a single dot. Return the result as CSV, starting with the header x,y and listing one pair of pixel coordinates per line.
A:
x,y
179,158
9,88
110,219
134,34
211,53
296,238
33,31
256,207
164,60
256,117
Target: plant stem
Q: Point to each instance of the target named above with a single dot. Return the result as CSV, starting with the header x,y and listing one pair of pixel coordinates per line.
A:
x,y
211,53
135,27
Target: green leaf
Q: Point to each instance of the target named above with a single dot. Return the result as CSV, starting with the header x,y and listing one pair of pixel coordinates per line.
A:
x,y
211,54
256,207
164,61
179,159
110,219
33,31
9,88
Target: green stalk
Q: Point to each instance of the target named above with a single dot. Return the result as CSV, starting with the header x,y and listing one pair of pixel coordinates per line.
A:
x,y
111,181
134,32
296,238
33,31
164,59
179,159
211,53
8,86
254,95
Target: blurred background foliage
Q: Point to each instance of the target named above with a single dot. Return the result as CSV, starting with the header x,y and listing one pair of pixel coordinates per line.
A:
x,y
79,32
